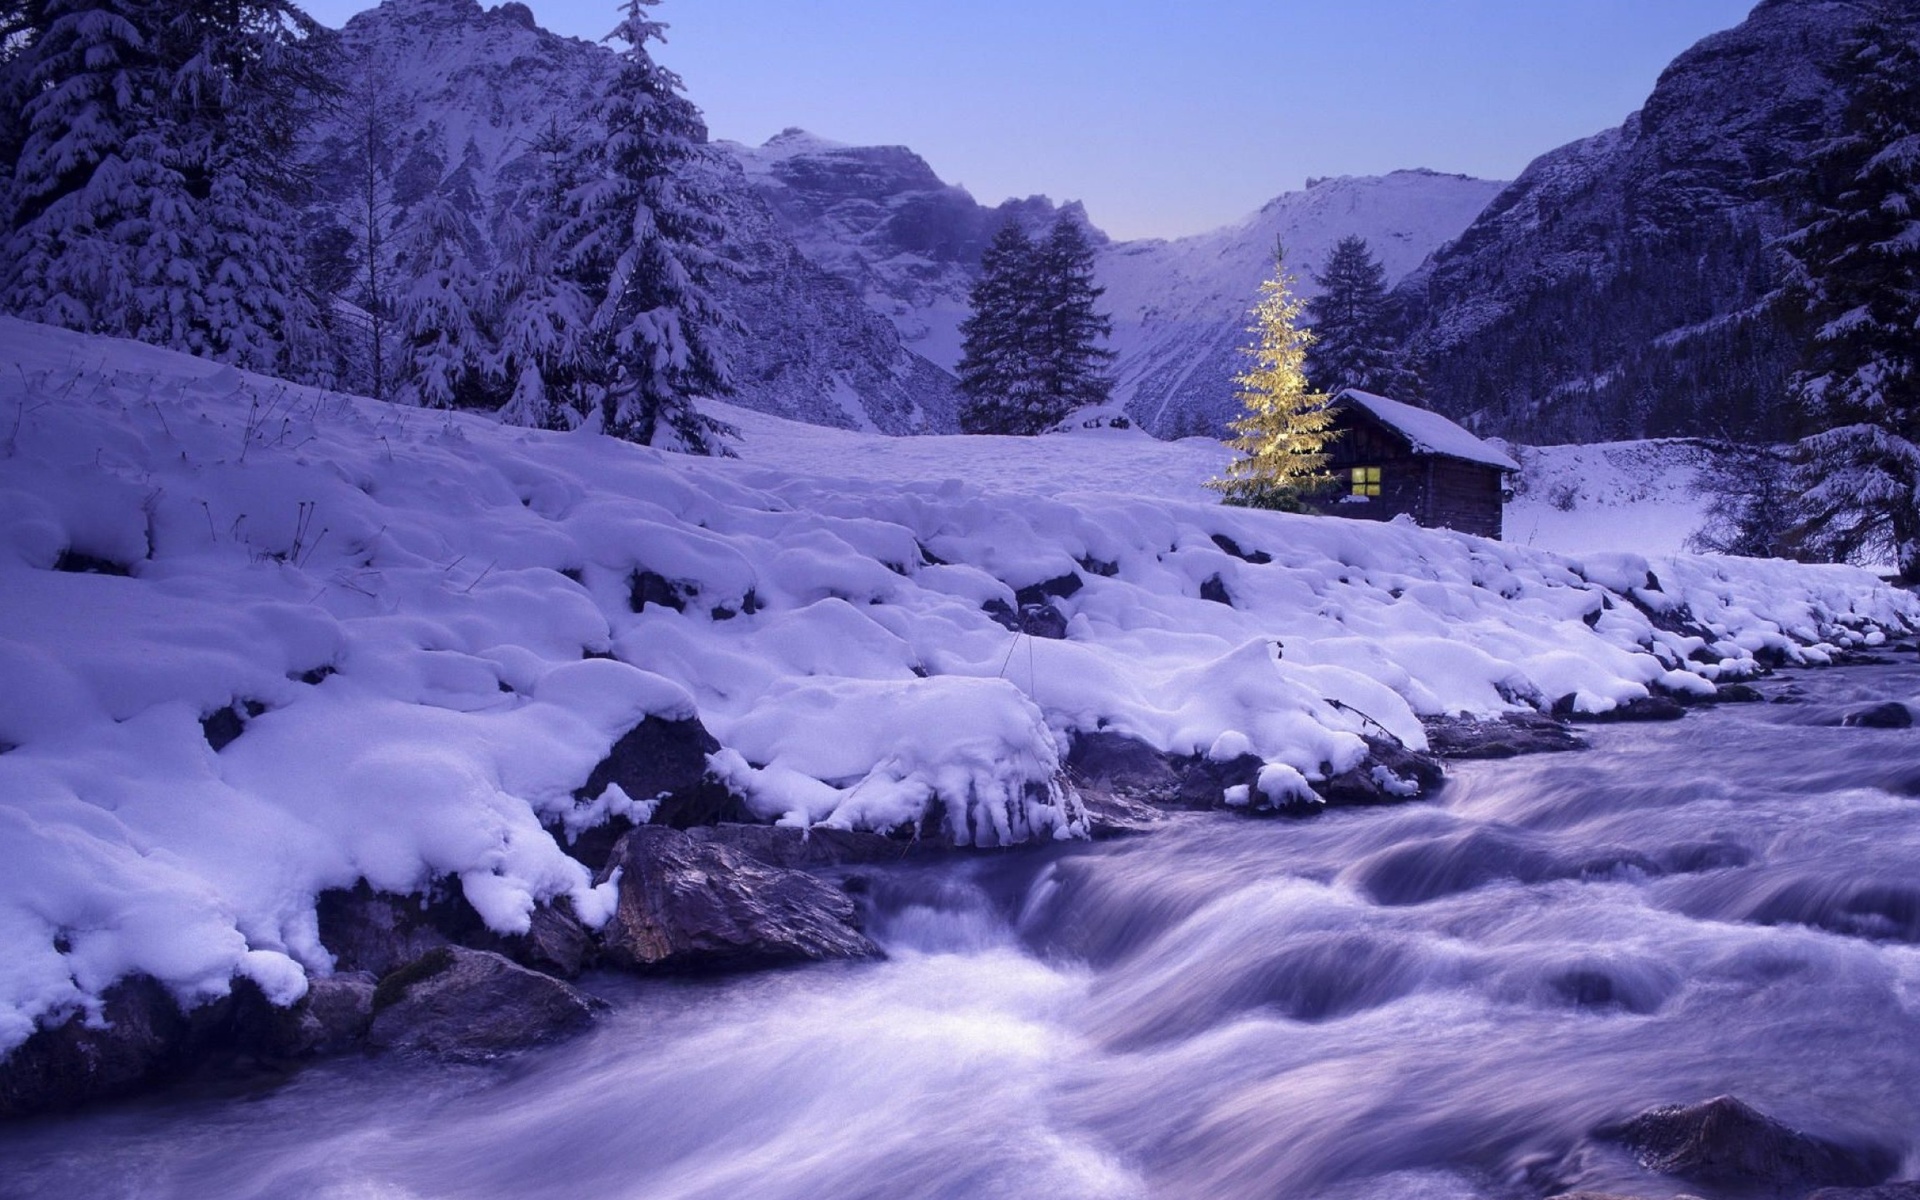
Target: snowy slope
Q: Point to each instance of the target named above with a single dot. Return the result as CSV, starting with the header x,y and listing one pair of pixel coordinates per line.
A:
x,y
1642,495
1180,308
415,609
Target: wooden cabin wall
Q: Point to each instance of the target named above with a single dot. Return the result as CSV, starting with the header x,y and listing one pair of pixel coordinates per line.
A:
x,y
1436,492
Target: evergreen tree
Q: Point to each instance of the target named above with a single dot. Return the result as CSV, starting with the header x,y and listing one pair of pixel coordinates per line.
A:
x,y
999,354
152,195
439,318
377,120
1354,342
1072,360
89,165
1749,503
640,240
249,73
544,314
1030,351
1854,283
1281,438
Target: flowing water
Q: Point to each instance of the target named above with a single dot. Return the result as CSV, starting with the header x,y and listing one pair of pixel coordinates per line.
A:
x,y
1434,1000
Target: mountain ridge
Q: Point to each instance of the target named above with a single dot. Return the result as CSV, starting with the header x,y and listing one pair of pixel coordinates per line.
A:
x,y
1623,286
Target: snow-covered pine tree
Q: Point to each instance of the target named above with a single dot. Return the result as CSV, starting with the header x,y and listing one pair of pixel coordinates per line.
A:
x,y
641,236
152,196
1853,262
89,165
248,74
440,317
999,365
1072,359
19,19
1281,439
543,315
1354,343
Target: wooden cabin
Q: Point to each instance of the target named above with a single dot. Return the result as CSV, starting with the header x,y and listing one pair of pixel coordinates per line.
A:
x,y
1392,458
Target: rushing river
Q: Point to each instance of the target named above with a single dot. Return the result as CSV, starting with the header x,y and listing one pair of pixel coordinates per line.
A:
x,y
1436,1000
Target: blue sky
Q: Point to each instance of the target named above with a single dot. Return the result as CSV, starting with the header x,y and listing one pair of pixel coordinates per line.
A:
x,y
1167,118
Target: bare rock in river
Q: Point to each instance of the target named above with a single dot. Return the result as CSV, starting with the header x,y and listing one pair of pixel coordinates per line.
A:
x,y
473,1005
1725,1141
1506,736
139,1040
692,904
803,849
1890,715
1119,764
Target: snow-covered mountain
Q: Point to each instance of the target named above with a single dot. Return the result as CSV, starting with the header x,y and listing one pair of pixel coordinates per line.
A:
x,y
468,90
880,218
1619,287
1180,307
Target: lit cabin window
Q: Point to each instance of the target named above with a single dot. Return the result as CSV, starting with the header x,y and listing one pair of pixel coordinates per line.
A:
x,y
1366,481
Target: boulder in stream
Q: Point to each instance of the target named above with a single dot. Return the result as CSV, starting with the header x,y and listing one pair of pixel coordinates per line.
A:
x,y
473,1005
139,1040
1506,736
1890,715
689,903
1727,1142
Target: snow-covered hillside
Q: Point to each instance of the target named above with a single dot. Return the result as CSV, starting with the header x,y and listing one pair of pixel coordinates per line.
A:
x,y
1180,308
1644,496
422,631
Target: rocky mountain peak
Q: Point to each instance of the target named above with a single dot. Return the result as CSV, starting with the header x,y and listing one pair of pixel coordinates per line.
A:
x,y
1620,287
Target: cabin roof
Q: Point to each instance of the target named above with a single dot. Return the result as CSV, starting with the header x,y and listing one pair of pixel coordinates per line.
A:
x,y
1428,432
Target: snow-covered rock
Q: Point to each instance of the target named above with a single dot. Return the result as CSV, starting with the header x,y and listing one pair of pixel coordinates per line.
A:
x,y
424,627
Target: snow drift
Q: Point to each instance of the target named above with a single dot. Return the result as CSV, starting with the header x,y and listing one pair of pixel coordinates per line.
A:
x,y
426,630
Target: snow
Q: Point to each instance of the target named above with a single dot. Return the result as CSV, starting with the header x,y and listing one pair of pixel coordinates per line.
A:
x,y
421,604
1428,432
1645,494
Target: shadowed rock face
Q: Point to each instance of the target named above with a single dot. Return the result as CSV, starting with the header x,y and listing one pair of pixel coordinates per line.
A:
x,y
692,904
140,1040
1616,288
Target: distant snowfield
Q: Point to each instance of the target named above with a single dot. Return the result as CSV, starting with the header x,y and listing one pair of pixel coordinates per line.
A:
x,y
1640,496
428,619
1643,496
1127,461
